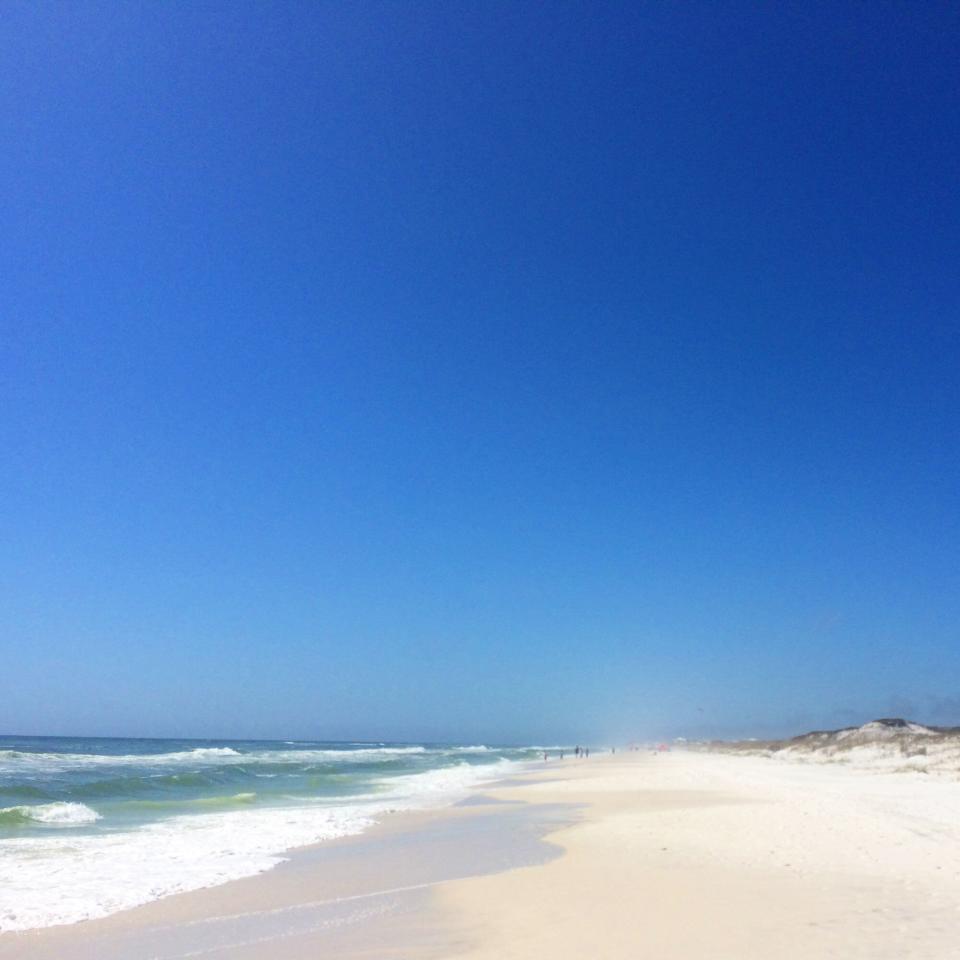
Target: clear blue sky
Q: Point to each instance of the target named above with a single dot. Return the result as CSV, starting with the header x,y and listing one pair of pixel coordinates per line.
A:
x,y
498,371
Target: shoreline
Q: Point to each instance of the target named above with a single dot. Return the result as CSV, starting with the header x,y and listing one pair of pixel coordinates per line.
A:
x,y
346,886
685,855
165,823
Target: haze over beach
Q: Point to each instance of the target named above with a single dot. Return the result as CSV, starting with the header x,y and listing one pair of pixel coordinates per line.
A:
x,y
396,399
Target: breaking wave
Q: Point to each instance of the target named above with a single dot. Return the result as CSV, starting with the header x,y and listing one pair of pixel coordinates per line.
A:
x,y
53,814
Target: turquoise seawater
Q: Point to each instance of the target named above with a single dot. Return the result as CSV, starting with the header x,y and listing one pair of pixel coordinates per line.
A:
x,y
90,826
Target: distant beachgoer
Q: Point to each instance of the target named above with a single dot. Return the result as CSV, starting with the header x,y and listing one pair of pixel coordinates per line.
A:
x,y
561,754
544,756
576,752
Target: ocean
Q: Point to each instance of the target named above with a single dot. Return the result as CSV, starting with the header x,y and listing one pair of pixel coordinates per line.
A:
x,y
92,826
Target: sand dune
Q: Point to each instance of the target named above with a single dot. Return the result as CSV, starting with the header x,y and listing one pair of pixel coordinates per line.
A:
x,y
888,745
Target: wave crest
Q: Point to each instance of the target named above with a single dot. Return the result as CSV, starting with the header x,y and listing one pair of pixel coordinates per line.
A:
x,y
54,814
14,761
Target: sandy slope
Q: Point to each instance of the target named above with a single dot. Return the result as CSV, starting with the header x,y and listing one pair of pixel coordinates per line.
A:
x,y
881,746
699,856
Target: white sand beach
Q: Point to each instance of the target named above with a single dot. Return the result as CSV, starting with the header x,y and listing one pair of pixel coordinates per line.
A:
x,y
691,855
682,855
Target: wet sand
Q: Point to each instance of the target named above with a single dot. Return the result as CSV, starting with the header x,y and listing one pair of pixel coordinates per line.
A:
x,y
354,897
688,856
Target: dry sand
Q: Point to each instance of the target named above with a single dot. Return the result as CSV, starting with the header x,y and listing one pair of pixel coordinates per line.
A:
x,y
731,858
682,855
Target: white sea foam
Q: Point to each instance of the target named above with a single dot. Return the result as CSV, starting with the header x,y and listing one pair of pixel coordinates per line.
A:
x,y
56,814
17,761
445,783
14,761
101,874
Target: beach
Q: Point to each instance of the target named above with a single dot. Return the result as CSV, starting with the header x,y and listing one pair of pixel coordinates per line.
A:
x,y
684,854
131,821
395,396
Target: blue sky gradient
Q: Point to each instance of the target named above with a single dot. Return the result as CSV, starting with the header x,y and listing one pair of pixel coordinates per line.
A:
x,y
478,371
